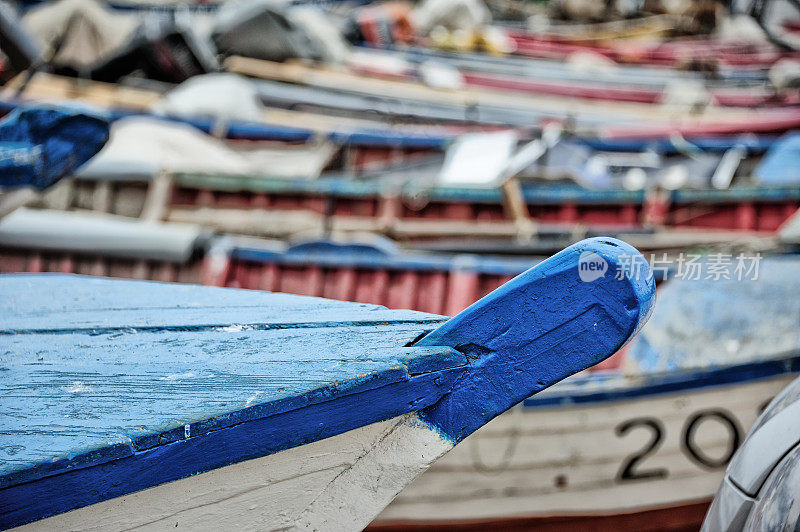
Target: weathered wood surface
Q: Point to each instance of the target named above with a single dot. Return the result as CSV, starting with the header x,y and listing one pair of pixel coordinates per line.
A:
x,y
125,386
97,371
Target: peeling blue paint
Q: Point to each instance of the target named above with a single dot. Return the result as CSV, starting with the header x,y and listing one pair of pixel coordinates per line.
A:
x,y
598,388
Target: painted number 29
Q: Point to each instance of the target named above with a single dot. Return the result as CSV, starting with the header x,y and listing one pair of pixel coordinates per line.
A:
x,y
632,466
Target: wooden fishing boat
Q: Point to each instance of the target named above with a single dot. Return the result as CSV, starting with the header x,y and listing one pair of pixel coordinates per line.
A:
x,y
280,208
136,404
306,97
296,85
347,203
362,141
731,97
625,454
442,279
366,140
124,100
605,83
547,448
372,270
625,447
566,71
673,53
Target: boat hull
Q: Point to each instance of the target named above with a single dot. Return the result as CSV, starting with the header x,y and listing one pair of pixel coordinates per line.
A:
x,y
609,457
308,487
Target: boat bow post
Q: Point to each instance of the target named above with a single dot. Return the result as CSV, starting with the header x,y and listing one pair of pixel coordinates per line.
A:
x,y
564,315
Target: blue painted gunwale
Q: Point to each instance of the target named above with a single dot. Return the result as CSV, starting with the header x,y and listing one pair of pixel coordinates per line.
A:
x,y
344,255
613,386
389,138
263,131
544,322
537,194
539,328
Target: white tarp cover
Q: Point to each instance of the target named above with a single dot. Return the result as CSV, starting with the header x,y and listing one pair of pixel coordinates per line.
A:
x,y
478,159
143,146
224,96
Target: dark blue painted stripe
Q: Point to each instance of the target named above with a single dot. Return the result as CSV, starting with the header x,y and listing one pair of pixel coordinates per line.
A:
x,y
259,131
389,138
753,144
31,501
674,382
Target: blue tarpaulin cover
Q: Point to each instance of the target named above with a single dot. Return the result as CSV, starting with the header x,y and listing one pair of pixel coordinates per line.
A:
x,y
40,145
781,164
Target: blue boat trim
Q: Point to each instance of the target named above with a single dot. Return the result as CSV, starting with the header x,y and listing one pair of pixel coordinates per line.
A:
x,y
232,338
535,194
388,138
662,384
550,322
84,485
263,131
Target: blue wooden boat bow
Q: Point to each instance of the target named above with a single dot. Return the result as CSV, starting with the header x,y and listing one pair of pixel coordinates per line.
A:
x,y
541,327
111,387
